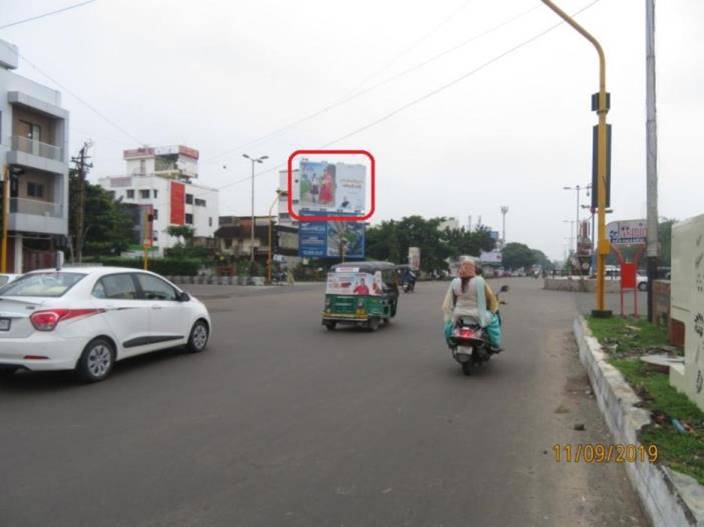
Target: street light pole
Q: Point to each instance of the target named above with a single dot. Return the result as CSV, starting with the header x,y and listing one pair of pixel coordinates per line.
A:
x,y
602,109
651,153
504,211
578,189
271,221
253,160
5,216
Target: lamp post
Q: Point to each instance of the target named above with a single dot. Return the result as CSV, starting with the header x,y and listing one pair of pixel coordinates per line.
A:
x,y
578,188
602,108
253,160
572,229
271,221
504,211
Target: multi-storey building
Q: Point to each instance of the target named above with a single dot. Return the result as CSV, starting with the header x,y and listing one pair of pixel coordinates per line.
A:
x,y
34,148
161,180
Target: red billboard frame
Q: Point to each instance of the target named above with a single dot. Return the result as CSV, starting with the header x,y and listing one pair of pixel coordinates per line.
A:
x,y
298,217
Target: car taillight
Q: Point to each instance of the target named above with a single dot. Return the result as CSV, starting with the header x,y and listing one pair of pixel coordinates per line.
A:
x,y
48,319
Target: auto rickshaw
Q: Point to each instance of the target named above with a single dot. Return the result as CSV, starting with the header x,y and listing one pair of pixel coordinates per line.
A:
x,y
363,294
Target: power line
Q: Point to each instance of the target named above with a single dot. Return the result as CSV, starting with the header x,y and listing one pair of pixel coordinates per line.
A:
x,y
77,97
430,94
379,84
68,8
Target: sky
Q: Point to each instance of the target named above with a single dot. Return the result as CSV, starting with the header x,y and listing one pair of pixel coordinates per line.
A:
x,y
217,75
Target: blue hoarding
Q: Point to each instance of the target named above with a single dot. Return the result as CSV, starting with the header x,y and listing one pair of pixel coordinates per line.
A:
x,y
326,239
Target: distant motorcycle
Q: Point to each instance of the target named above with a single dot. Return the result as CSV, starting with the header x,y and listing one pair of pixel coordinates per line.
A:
x,y
409,282
469,342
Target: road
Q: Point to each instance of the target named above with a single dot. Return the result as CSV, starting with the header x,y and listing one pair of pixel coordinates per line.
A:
x,y
282,423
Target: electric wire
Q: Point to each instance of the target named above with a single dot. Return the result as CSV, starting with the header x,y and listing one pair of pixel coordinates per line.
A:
x,y
44,15
427,95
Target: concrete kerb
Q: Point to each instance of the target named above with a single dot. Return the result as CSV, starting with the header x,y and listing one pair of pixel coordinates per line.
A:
x,y
668,497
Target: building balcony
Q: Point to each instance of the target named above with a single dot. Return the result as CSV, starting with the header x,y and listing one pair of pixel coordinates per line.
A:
x,y
36,148
37,155
30,215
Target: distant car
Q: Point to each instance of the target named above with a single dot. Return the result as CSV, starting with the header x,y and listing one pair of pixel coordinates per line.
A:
x,y
642,282
7,278
86,319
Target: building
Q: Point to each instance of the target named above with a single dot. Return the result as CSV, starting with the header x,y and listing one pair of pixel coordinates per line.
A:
x,y
34,146
161,182
450,223
234,236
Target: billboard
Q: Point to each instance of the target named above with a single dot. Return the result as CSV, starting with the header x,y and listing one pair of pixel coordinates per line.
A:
x,y
327,239
178,203
494,257
628,232
414,257
331,187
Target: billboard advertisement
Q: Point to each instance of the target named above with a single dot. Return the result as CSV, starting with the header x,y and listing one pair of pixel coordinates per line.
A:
x,y
414,257
347,281
494,257
630,232
331,187
328,239
178,203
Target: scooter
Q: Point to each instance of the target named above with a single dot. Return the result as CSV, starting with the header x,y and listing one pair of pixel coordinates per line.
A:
x,y
469,342
409,284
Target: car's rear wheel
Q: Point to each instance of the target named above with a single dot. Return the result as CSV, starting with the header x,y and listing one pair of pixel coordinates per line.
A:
x,y
96,361
198,340
7,372
643,286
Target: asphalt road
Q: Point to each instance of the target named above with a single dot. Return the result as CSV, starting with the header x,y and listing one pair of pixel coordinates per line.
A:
x,y
282,423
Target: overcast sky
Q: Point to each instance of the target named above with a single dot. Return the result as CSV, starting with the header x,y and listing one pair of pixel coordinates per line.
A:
x,y
217,74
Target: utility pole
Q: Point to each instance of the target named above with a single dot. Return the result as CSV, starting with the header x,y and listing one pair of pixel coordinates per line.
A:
x,y
651,152
81,167
504,211
600,103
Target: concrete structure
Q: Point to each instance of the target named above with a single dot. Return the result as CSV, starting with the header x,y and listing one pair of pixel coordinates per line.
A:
x,y
450,223
34,143
284,217
162,178
687,305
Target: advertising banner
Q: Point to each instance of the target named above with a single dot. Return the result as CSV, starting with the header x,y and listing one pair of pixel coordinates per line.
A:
x,y
328,187
628,232
354,283
414,257
327,239
490,257
178,203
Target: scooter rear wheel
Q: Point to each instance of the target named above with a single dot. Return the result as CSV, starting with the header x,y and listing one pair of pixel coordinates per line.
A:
x,y
467,368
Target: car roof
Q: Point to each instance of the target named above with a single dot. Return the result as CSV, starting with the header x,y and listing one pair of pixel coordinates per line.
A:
x,y
97,270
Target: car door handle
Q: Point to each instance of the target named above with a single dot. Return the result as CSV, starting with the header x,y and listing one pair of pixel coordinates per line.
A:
x,y
156,307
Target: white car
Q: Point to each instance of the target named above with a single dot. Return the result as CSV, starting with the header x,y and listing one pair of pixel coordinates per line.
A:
x,y
86,319
7,278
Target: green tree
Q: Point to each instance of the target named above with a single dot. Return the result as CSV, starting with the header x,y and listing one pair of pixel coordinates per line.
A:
x,y
184,232
107,228
517,255
541,259
665,241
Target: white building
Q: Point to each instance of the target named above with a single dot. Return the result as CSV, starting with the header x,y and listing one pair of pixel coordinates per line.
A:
x,y
284,216
34,145
162,178
449,224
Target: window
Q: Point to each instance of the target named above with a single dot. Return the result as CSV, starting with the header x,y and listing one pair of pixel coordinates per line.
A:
x,y
111,193
200,202
189,219
144,193
210,222
228,243
42,284
155,213
156,192
130,194
35,190
189,199
155,236
116,286
154,288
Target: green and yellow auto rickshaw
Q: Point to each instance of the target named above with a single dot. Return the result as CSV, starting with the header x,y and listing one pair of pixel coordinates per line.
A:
x,y
363,294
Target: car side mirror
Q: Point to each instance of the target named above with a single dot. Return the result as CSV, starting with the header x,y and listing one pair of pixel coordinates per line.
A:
x,y
504,288
183,297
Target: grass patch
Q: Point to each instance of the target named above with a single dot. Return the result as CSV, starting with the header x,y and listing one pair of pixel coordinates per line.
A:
x,y
626,339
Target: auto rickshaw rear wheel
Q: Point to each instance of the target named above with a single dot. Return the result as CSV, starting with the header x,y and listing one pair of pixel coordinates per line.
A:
x,y
330,325
373,324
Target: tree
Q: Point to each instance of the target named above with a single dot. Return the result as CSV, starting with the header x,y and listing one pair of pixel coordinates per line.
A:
x,y
517,255
107,227
665,241
541,259
181,231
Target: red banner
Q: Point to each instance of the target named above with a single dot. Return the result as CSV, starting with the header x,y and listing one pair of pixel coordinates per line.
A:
x,y
178,203
628,275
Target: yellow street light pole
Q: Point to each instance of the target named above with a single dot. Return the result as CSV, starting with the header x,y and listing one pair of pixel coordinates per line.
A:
x,y
603,246
144,239
5,216
271,222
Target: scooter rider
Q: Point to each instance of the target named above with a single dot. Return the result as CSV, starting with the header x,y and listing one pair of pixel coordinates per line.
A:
x,y
470,296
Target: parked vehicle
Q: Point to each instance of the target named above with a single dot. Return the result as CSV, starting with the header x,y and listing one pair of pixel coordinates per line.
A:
x,y
363,294
86,319
6,278
469,343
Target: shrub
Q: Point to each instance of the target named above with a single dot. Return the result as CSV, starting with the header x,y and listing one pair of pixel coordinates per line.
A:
x,y
162,266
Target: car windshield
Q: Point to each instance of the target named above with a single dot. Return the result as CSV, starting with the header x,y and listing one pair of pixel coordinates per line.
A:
x,y
42,284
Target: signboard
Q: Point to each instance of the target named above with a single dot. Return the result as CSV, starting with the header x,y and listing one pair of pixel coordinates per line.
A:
x,y
178,203
628,275
327,239
344,282
494,235
490,257
328,187
629,232
414,257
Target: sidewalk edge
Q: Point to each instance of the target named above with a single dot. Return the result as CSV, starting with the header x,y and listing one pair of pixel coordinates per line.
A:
x,y
668,497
